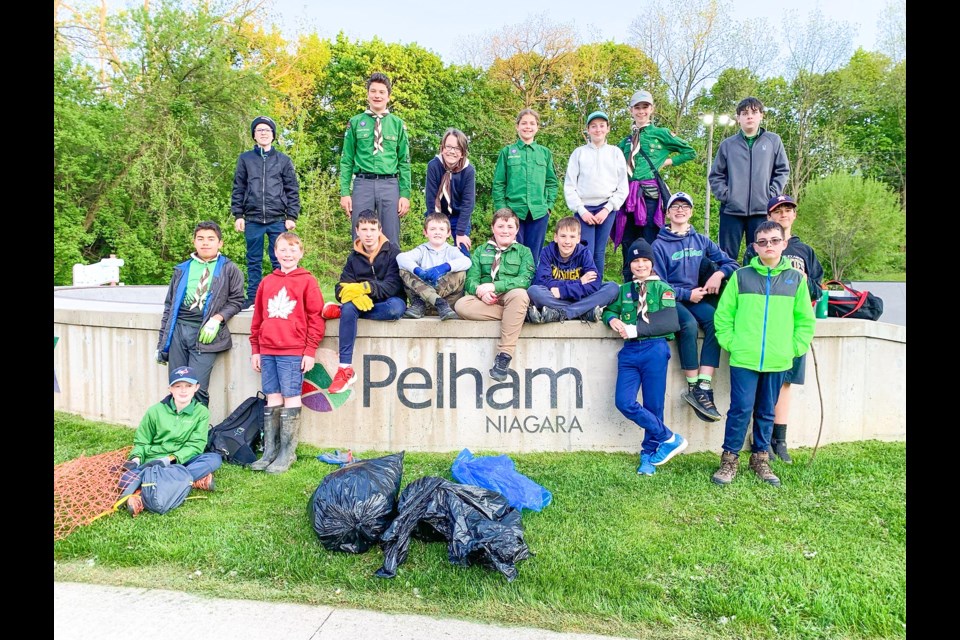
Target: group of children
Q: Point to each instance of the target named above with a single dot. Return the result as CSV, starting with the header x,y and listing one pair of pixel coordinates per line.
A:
x,y
676,280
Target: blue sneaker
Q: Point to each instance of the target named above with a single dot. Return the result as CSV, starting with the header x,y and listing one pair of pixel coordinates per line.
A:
x,y
668,449
646,468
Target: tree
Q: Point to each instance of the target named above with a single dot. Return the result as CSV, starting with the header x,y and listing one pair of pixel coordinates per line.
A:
x,y
892,30
855,224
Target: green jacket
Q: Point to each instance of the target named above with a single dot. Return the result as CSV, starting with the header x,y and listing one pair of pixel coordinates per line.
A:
x,y
764,317
524,180
358,154
515,272
164,432
660,297
659,143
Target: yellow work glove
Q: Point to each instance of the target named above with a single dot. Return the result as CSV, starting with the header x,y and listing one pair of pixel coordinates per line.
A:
x,y
363,302
350,290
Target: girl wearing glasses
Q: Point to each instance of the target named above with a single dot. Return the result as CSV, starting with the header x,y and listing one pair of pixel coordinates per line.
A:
x,y
451,186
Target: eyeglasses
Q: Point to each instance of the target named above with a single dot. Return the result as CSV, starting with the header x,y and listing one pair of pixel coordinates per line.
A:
x,y
680,207
263,130
447,147
762,242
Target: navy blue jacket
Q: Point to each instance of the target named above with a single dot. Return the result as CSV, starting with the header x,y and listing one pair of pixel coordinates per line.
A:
x,y
265,187
676,259
463,192
565,274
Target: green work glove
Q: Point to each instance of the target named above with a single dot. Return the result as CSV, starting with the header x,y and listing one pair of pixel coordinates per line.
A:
x,y
209,331
363,302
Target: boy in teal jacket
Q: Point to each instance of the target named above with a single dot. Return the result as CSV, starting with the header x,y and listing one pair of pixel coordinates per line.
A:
x,y
765,320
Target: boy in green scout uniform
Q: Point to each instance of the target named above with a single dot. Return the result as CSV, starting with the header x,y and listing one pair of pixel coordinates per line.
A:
x,y
376,151
645,316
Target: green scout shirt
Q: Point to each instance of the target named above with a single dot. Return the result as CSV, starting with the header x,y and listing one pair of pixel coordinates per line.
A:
x,y
660,295
164,432
358,154
525,181
515,272
659,143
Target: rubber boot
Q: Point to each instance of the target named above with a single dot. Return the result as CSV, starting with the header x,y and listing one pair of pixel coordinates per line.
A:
x,y
778,443
289,437
271,438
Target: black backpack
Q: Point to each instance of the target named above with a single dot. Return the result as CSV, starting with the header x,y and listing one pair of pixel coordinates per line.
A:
x,y
241,433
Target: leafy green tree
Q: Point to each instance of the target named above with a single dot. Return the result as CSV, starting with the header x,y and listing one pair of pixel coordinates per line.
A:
x,y
855,224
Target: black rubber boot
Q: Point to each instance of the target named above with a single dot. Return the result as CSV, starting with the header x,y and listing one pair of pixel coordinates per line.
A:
x,y
289,437
271,438
778,443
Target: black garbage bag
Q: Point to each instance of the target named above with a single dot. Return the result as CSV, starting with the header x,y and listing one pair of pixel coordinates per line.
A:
x,y
479,525
355,504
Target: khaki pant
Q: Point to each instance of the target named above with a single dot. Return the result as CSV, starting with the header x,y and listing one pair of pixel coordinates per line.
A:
x,y
510,310
449,287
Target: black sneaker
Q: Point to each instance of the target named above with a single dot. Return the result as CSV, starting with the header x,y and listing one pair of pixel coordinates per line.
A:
x,y
594,315
501,366
444,310
415,309
702,402
549,314
533,315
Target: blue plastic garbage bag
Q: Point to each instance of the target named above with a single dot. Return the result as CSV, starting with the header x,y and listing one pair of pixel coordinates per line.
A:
x,y
497,473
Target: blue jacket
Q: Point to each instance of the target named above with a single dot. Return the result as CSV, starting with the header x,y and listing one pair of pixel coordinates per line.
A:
x,y
463,192
565,274
676,259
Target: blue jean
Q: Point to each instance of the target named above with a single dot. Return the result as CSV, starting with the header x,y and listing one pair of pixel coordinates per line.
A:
x,y
390,309
631,232
198,466
732,230
751,392
253,232
532,234
281,374
597,235
540,296
642,364
185,352
694,315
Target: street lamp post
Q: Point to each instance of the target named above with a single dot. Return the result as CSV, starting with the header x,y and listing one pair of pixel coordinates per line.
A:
x,y
708,119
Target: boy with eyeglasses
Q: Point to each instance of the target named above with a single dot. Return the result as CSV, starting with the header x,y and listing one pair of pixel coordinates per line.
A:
x,y
265,200
678,253
765,320
783,210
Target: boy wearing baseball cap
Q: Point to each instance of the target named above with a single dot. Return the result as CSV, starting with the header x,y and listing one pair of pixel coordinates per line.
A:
x,y
678,253
783,210
647,148
172,432
265,199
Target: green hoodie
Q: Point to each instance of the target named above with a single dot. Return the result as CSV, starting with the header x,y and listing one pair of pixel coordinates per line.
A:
x,y
764,318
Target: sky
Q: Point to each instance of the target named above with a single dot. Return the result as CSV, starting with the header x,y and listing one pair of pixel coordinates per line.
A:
x,y
441,25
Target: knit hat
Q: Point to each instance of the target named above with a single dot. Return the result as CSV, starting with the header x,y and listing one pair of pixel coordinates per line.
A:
x,y
640,249
263,120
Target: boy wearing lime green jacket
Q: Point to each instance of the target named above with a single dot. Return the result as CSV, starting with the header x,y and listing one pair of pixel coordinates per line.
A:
x,y
765,320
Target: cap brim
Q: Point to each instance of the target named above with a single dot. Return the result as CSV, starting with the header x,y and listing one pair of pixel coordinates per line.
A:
x,y
190,380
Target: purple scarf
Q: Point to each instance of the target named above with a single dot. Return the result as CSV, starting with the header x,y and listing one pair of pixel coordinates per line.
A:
x,y
635,204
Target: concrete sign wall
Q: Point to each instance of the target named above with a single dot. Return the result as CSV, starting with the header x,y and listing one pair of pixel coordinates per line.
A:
x,y
424,385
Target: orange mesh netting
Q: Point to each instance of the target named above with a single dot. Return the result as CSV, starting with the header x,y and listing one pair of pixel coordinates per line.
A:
x,y
85,489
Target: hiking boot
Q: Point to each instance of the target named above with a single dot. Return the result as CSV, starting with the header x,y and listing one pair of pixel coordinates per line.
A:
x,y
646,468
135,504
760,463
668,449
416,308
289,437
533,315
205,483
728,468
345,377
702,402
501,366
549,314
594,315
271,438
778,444
444,310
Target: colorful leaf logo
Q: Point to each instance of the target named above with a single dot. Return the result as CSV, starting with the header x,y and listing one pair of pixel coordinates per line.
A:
x,y
318,380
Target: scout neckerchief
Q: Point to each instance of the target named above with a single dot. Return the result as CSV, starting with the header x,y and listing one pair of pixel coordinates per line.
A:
x,y
443,193
203,286
634,148
377,130
642,297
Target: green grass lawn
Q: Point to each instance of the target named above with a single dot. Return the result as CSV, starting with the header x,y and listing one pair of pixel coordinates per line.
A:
x,y
668,556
